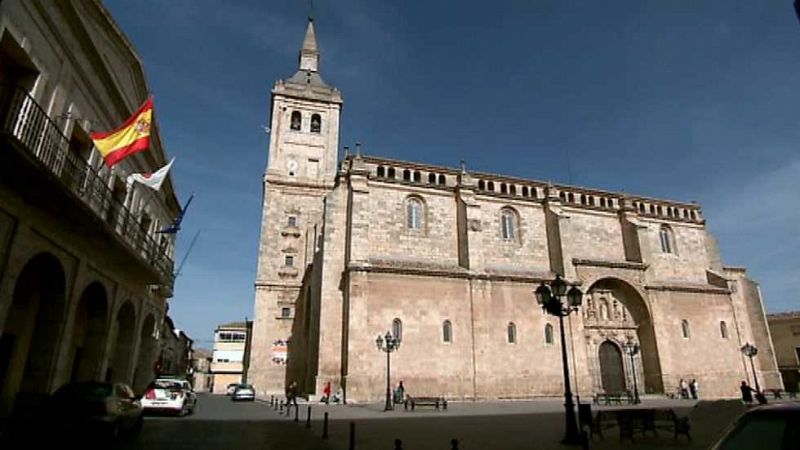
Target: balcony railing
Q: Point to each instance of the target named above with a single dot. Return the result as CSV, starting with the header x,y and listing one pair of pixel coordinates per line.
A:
x,y
26,124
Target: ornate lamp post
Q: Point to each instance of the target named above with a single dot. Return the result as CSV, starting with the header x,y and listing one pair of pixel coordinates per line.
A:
x,y
550,299
750,350
632,349
388,344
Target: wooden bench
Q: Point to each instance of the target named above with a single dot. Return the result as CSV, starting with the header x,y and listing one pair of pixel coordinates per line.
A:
x,y
436,402
616,398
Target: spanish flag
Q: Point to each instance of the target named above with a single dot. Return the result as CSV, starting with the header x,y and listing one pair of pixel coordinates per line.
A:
x,y
133,136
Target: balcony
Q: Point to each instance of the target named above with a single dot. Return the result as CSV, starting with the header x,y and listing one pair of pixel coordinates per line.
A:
x,y
37,163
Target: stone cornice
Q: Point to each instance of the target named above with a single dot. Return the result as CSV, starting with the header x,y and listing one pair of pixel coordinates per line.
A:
x,y
446,272
694,288
610,264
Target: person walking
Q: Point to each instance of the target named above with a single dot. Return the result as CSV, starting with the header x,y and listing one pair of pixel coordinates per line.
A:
x,y
693,388
326,393
684,388
399,393
747,393
291,394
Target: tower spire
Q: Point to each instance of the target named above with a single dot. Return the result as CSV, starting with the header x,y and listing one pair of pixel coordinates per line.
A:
x,y
309,54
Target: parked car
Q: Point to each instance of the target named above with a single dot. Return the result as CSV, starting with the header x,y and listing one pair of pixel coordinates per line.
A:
x,y
764,428
169,395
93,409
244,392
231,388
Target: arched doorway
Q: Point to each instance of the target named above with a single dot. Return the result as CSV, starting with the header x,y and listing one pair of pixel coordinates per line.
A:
x,y
147,355
122,356
31,333
89,334
615,313
612,372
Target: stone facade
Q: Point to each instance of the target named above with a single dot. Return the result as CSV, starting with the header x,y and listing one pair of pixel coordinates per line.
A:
x,y
415,248
785,331
84,277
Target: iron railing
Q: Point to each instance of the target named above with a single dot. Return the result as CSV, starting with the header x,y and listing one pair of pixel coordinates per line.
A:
x,y
25,123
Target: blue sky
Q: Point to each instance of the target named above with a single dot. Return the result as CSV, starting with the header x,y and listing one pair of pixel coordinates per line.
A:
x,y
681,100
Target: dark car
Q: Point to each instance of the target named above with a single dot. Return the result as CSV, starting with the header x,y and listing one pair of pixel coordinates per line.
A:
x,y
104,410
773,427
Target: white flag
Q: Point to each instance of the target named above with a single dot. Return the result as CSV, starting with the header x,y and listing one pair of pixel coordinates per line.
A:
x,y
154,180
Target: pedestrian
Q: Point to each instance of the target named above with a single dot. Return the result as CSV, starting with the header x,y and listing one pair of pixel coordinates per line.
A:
x,y
338,396
747,393
326,393
399,393
693,388
684,387
291,394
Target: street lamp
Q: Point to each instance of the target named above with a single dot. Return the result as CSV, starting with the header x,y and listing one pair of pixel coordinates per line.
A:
x,y
388,344
632,349
750,350
549,298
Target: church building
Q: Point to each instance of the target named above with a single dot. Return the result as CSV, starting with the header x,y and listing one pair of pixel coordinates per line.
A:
x,y
447,259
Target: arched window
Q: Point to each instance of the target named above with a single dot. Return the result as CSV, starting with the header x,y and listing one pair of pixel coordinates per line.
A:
x,y
297,120
602,202
667,242
432,178
641,208
723,330
442,180
397,329
316,123
503,188
652,209
685,329
571,197
512,333
447,332
563,196
414,214
491,186
407,175
524,191
381,171
512,190
481,185
509,225
391,172
548,334
417,176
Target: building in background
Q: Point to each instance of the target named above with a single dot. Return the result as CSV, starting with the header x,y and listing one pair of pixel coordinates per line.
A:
x,y
175,356
785,331
448,258
227,365
84,277
202,380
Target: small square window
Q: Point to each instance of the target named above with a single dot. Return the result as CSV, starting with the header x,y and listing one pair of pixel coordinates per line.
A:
x,y
286,312
292,222
289,261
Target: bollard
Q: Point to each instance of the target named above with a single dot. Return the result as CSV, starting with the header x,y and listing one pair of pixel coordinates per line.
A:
x,y
352,445
308,418
296,413
280,410
398,444
454,444
271,400
584,440
325,427
275,406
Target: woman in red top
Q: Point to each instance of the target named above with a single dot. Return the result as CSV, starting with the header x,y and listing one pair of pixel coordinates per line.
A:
x,y
326,392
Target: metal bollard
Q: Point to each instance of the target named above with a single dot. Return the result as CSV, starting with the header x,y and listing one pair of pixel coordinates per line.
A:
x,y
280,410
308,418
275,406
398,444
296,413
454,444
271,400
352,445
325,427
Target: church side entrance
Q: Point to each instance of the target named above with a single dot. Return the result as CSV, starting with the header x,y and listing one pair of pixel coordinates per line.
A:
x,y
612,372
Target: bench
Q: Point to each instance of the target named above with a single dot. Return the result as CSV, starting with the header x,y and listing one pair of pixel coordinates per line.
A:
x,y
639,420
601,422
608,398
436,402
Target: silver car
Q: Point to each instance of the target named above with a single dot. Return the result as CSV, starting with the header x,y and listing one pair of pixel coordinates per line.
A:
x,y
244,392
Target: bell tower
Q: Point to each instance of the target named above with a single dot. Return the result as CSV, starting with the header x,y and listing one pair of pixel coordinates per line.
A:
x,y
301,169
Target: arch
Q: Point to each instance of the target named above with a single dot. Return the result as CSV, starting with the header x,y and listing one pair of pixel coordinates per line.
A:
x,y
503,188
694,216
563,196
90,333
667,239
481,185
417,176
685,332
296,121
381,171
641,208
148,348
316,123
524,191
123,332
32,329
511,332
490,186
406,175
548,334
509,224
571,197
611,368
415,213
723,329
633,298
602,202
442,180
447,332
512,189
431,178
652,209
397,328
391,173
